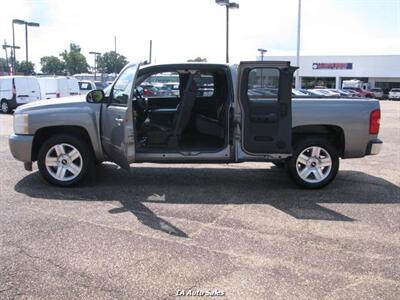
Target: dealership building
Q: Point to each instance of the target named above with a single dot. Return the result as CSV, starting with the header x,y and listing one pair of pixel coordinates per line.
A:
x,y
381,71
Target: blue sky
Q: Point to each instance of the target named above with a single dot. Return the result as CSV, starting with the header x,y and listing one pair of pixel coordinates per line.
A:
x,y
183,29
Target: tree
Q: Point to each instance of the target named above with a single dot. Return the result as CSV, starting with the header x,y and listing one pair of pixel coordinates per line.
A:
x,y
27,68
52,65
197,59
4,67
75,61
111,62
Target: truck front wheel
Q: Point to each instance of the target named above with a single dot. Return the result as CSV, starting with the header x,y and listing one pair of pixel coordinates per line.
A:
x,y
64,160
314,164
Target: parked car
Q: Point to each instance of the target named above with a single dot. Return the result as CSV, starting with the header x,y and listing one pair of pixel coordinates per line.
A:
x,y
394,94
328,92
319,92
298,93
167,89
353,93
17,90
58,87
68,136
148,90
85,86
342,93
378,93
305,91
360,92
101,85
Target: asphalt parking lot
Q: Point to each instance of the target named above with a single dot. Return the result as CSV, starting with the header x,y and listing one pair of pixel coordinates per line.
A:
x,y
244,230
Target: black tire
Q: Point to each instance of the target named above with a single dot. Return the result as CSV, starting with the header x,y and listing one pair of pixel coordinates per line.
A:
x,y
279,164
5,107
84,150
302,145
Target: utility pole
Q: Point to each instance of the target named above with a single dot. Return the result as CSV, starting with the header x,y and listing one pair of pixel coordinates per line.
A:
x,y
5,47
262,51
115,50
151,49
13,56
227,34
298,81
95,61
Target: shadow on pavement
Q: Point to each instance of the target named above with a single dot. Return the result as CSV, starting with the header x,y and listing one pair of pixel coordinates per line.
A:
x,y
230,185
147,217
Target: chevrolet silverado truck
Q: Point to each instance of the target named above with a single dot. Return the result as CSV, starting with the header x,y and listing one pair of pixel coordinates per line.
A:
x,y
219,114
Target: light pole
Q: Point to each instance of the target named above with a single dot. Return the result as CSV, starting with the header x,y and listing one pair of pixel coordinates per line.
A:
x,y
298,82
95,60
228,5
31,24
262,51
13,58
22,22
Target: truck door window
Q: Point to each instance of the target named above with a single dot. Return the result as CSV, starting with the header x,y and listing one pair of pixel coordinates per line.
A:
x,y
122,88
263,84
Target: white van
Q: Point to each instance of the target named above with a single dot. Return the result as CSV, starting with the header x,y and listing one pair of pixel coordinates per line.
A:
x,y
85,86
17,90
57,87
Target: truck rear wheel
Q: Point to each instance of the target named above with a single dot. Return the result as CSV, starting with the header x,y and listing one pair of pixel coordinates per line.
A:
x,y
64,160
314,164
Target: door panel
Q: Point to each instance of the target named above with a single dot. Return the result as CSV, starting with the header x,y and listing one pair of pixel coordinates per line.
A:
x,y
265,98
117,125
162,102
33,89
22,89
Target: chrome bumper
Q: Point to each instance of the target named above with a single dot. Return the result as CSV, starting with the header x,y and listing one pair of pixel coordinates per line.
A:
x,y
21,147
374,147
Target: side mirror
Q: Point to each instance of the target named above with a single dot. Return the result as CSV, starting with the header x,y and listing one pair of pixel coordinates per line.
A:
x,y
95,96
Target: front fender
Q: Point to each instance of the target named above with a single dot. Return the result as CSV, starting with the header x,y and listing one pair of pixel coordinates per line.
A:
x,y
84,117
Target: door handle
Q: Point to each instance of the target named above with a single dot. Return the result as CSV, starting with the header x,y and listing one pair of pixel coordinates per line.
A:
x,y
119,120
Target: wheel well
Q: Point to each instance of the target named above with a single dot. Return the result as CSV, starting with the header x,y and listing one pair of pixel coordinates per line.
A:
x,y
44,133
331,132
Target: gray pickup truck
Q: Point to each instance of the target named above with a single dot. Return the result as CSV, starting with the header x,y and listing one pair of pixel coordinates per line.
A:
x,y
216,114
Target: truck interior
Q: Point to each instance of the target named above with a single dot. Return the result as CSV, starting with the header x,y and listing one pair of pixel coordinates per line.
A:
x,y
181,109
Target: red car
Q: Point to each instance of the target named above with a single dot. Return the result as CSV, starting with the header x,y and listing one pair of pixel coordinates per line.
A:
x,y
360,92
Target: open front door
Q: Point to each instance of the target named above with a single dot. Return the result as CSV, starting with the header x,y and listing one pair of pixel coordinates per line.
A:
x,y
117,127
265,95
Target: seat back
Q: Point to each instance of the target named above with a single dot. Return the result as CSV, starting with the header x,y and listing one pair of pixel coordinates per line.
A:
x,y
185,107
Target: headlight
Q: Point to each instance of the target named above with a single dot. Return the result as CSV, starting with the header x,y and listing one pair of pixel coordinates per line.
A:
x,y
21,124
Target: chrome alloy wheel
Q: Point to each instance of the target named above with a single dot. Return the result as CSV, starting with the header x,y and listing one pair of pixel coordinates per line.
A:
x,y
64,162
314,164
4,106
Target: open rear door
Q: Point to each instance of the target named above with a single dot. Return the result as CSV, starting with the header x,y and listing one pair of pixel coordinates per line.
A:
x,y
117,125
265,95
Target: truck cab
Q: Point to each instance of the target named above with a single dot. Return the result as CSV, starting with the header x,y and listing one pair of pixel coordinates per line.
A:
x,y
220,114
